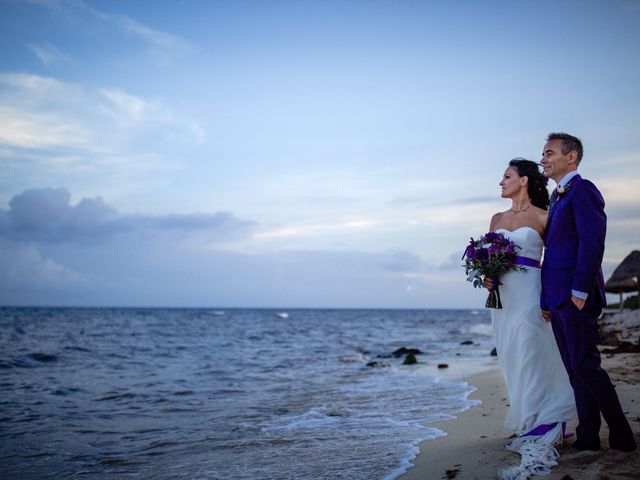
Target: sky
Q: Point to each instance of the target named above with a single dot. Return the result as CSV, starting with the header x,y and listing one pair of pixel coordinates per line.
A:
x,y
283,154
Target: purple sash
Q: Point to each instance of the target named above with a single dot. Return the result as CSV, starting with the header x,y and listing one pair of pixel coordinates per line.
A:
x,y
544,428
527,262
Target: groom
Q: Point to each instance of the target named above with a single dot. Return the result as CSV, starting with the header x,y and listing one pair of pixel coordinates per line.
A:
x,y
573,293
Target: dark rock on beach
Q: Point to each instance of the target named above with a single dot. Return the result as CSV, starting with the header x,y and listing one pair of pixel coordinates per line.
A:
x,y
467,342
410,359
376,364
453,473
443,365
494,352
406,351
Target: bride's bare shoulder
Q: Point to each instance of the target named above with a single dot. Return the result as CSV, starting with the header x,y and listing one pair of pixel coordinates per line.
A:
x,y
495,220
539,211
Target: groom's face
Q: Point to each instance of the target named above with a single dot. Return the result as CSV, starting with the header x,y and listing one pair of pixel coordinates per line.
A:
x,y
556,164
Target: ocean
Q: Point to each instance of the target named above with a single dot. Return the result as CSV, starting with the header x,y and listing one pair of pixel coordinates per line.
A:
x,y
241,394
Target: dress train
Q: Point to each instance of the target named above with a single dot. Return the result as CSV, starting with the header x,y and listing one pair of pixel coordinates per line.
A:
x,y
538,454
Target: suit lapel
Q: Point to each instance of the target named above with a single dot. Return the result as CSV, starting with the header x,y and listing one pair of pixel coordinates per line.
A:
x,y
553,209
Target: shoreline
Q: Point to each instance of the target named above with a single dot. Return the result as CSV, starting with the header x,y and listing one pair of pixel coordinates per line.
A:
x,y
474,444
474,440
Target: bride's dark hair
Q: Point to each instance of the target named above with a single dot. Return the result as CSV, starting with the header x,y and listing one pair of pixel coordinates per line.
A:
x,y
537,186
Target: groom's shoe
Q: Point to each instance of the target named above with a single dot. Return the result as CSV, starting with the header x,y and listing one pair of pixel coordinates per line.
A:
x,y
580,445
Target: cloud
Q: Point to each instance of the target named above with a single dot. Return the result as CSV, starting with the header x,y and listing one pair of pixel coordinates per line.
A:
x,y
27,275
47,53
59,124
391,262
421,201
154,270
621,196
315,228
160,273
622,205
40,113
166,44
402,262
129,110
100,256
169,43
46,215
33,105
25,129
453,262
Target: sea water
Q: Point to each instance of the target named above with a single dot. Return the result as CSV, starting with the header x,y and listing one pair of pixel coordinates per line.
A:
x,y
234,394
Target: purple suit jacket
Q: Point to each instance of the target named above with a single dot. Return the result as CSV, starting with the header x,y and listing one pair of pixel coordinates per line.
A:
x,y
574,246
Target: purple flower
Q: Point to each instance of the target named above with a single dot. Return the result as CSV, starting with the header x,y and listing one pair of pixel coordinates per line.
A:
x,y
491,255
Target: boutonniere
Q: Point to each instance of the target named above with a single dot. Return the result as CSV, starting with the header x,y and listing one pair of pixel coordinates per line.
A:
x,y
563,190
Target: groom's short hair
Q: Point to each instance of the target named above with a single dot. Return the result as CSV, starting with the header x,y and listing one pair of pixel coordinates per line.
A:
x,y
569,143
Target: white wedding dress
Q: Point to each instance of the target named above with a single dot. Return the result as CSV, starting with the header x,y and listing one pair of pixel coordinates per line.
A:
x,y
537,382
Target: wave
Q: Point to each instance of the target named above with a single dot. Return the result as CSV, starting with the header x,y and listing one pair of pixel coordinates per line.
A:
x,y
484,329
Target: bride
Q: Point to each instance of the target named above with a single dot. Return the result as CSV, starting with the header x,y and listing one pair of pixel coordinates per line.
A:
x,y
540,395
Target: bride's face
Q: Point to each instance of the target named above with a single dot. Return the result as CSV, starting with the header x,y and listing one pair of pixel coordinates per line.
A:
x,y
511,183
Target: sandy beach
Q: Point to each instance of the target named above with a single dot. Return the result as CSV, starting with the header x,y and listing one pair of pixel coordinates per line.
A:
x,y
474,445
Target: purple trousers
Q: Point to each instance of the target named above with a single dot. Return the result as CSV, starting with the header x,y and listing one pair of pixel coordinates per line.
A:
x,y
577,336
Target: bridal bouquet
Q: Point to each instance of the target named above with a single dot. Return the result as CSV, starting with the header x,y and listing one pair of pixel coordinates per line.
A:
x,y
491,255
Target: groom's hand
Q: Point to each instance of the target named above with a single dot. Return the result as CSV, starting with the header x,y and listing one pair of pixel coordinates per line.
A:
x,y
546,314
578,302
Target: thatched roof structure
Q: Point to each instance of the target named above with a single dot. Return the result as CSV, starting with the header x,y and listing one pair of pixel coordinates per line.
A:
x,y
621,286
625,276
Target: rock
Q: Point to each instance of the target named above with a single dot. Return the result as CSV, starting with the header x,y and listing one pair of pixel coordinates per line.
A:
x,y
410,359
406,351
467,342
494,352
443,365
376,364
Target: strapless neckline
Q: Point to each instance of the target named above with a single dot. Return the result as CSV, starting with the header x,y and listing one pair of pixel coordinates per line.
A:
x,y
520,228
